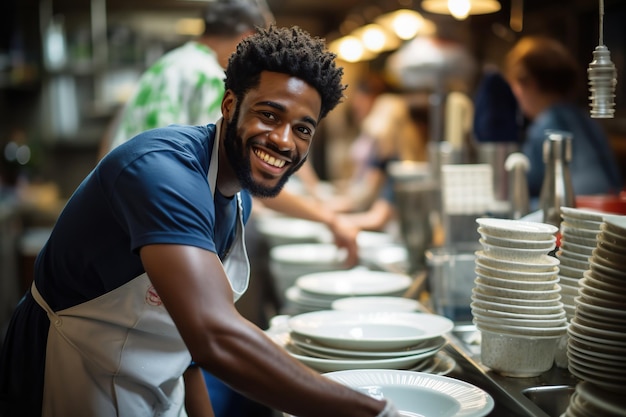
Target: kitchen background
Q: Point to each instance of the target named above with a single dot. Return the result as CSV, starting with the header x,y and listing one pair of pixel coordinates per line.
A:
x,y
66,67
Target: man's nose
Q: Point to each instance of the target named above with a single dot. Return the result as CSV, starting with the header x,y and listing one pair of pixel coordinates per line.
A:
x,y
282,137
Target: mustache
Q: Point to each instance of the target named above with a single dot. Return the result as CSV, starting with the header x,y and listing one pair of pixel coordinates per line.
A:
x,y
291,156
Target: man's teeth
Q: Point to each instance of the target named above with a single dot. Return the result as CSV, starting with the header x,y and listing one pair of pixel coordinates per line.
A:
x,y
278,163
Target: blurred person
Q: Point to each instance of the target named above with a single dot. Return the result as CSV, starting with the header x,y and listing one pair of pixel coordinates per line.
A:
x,y
545,78
134,291
388,133
186,85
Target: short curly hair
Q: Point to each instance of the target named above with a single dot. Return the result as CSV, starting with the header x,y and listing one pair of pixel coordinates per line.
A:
x,y
290,51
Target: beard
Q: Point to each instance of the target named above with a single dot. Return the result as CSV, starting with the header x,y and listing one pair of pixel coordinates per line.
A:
x,y
239,157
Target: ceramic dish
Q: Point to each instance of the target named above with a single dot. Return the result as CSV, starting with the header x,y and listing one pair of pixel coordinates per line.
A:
x,y
341,284
516,243
419,394
369,331
315,349
503,307
376,303
517,229
329,365
604,402
582,214
515,254
542,264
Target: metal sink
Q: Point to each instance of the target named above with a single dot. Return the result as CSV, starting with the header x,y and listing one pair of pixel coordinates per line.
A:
x,y
553,399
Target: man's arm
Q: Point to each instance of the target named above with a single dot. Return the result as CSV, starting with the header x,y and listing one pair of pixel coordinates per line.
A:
x,y
197,400
344,232
194,288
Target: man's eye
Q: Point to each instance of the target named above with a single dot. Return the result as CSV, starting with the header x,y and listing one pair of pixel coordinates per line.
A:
x,y
269,115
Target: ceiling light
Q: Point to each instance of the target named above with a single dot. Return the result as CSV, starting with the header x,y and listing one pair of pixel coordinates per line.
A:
x,y
460,9
350,49
405,23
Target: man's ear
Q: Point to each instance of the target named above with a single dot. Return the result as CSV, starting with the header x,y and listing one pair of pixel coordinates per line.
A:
x,y
229,103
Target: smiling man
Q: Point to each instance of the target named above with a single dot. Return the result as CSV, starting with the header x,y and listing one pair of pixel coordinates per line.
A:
x,y
134,291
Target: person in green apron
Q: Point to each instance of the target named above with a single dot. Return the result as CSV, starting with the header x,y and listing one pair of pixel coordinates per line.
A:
x,y
134,291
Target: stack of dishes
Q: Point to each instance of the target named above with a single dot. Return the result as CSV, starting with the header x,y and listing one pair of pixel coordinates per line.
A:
x,y
597,332
289,262
590,401
417,393
516,298
317,291
333,340
578,239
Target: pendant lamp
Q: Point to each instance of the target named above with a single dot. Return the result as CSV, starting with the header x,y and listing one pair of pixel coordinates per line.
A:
x,y
460,9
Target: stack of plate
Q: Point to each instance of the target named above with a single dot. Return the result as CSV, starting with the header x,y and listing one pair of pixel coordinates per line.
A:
x,y
333,340
578,239
289,262
597,332
317,291
516,298
590,401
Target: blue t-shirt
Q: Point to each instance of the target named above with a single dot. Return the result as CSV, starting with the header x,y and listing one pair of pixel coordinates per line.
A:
x,y
593,167
152,189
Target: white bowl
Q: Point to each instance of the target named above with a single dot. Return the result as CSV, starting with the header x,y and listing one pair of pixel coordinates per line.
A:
x,y
554,308
582,241
514,274
617,258
582,224
491,312
571,272
516,243
570,247
522,322
544,263
550,299
516,284
599,282
570,230
515,254
615,224
567,260
515,293
517,356
583,214
517,229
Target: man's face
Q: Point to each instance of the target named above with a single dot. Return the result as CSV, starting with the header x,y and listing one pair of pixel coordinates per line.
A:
x,y
269,134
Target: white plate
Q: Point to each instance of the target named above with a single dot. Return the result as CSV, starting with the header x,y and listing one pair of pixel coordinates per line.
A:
x,y
369,331
322,351
354,282
376,303
329,365
418,393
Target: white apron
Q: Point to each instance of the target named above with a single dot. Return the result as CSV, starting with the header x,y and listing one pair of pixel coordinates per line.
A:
x,y
120,354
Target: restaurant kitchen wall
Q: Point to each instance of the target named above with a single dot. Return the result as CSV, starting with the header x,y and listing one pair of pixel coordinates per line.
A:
x,y
66,66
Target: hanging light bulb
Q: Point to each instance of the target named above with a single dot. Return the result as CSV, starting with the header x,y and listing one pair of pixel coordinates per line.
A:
x,y
602,78
459,9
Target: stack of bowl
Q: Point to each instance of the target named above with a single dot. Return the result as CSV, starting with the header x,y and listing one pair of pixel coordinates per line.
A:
x,y
589,401
516,298
578,239
597,332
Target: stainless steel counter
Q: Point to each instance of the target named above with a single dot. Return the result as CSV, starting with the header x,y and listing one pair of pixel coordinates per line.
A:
x,y
546,395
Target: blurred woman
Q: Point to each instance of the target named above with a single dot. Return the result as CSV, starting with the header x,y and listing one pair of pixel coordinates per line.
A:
x,y
545,79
